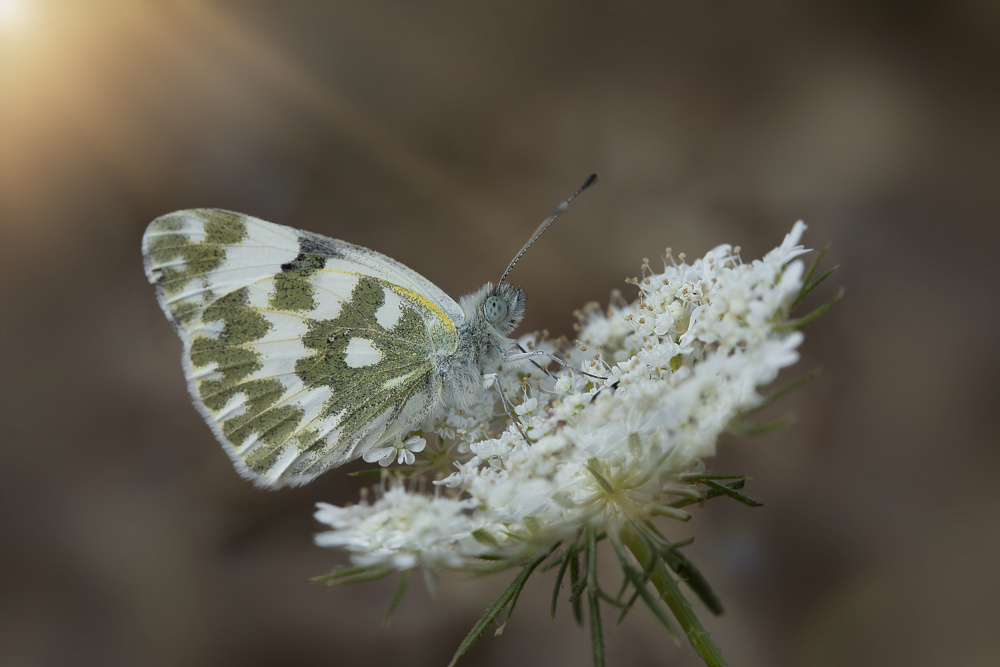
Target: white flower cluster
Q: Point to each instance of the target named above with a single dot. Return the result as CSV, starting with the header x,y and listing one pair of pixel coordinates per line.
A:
x,y
679,364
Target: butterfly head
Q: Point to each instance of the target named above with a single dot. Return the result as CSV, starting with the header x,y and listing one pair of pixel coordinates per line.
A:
x,y
499,306
504,307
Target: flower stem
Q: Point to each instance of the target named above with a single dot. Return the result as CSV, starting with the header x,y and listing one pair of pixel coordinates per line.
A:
x,y
660,576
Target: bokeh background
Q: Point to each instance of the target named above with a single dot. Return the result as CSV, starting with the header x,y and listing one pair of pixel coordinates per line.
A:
x,y
440,133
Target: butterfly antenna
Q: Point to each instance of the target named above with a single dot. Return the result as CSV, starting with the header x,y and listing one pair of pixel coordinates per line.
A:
x,y
545,225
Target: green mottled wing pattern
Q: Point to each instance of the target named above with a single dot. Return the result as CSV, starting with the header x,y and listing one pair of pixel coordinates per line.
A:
x,y
300,351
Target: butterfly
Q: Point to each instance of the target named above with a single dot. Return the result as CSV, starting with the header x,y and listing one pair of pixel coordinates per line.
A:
x,y
302,352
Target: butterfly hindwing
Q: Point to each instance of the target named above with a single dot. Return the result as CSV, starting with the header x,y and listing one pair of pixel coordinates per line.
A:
x,y
300,351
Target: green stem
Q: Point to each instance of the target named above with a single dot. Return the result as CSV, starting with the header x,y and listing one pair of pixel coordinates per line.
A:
x,y
671,594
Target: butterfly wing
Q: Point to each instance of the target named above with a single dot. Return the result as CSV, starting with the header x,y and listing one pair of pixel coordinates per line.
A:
x,y
300,351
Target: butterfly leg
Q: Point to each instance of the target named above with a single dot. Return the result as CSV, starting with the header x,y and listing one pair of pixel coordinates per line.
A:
x,y
525,354
529,354
493,380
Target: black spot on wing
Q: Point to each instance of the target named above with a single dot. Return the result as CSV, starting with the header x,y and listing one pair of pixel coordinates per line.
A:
x,y
304,262
311,243
314,250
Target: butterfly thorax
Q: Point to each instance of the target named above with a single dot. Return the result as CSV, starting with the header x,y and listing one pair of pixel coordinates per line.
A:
x,y
491,313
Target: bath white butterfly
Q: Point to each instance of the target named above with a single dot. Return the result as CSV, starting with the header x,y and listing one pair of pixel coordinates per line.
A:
x,y
303,352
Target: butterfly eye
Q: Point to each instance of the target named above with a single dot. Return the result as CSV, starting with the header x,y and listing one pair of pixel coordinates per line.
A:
x,y
495,309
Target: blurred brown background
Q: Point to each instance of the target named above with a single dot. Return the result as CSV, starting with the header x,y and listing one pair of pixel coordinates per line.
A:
x,y
440,133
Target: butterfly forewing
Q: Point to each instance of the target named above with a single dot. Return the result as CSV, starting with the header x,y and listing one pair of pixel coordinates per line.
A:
x,y
301,351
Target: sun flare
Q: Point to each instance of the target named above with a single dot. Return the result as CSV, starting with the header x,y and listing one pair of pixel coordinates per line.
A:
x,y
14,16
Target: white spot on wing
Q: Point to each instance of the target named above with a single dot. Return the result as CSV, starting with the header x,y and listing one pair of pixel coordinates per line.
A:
x,y
235,406
399,379
330,424
313,403
330,290
390,311
285,458
361,352
281,347
248,445
208,328
207,372
195,293
259,293
255,258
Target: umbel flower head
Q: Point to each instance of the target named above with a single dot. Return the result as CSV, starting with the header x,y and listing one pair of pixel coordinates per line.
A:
x,y
595,454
